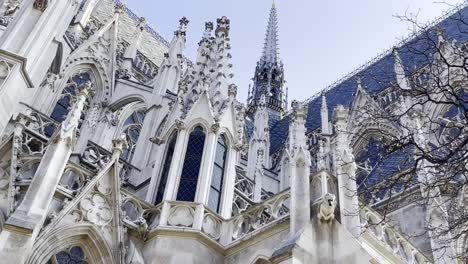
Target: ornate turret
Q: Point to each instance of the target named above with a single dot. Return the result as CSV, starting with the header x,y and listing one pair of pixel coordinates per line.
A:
x,y
269,74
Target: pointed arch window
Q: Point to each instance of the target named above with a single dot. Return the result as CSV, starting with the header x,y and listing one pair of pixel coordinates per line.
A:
x,y
191,169
165,169
74,255
132,129
62,107
217,178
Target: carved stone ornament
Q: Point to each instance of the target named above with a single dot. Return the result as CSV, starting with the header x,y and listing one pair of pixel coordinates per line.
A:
x,y
181,216
41,5
4,183
327,207
9,10
96,209
211,226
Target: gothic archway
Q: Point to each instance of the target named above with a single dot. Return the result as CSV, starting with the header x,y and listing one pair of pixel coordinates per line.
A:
x,y
63,239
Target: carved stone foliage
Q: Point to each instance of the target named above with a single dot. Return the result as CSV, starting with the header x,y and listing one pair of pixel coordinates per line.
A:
x,y
8,11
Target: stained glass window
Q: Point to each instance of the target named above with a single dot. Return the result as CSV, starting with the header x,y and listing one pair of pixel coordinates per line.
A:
x,y
132,128
73,255
191,169
214,199
165,169
62,107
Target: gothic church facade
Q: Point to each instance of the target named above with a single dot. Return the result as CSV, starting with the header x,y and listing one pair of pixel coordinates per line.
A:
x,y
116,148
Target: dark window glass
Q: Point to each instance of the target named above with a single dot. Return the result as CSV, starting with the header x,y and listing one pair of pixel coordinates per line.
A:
x,y
73,255
61,109
191,169
216,188
165,169
132,129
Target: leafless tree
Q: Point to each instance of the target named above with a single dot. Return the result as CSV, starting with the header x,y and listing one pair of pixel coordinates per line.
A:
x,y
417,150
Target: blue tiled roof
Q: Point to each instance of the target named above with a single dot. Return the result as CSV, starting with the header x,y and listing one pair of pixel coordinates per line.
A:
x,y
377,76
391,164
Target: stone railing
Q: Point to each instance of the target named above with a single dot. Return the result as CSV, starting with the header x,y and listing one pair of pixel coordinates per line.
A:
x,y
37,122
196,217
377,229
260,216
95,157
144,66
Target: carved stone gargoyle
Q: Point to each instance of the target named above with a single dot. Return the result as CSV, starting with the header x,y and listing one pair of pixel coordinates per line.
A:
x,y
327,207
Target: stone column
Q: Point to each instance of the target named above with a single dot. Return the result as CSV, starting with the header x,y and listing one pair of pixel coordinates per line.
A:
x,y
229,181
299,169
25,223
206,169
176,164
346,174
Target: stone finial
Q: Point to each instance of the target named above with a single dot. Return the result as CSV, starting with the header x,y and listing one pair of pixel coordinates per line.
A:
x,y
208,30
340,117
141,23
183,22
400,71
223,26
86,89
299,110
324,115
118,145
119,9
262,102
232,90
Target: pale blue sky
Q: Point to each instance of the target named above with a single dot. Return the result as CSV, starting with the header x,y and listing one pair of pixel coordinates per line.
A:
x,y
320,41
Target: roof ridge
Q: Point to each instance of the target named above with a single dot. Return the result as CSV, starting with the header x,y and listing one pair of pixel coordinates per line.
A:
x,y
136,18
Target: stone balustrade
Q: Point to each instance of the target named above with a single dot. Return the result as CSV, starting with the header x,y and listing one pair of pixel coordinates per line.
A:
x,y
377,229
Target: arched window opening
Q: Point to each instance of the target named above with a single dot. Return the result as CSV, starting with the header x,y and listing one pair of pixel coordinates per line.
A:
x,y
74,255
191,169
273,75
132,129
62,107
165,169
217,178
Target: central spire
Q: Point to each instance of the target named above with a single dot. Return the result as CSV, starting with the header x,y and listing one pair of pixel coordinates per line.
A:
x,y
270,48
269,75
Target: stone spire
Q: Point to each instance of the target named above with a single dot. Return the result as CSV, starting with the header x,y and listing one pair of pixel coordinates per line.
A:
x,y
259,147
24,224
269,74
171,67
346,172
131,52
402,81
324,116
270,52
